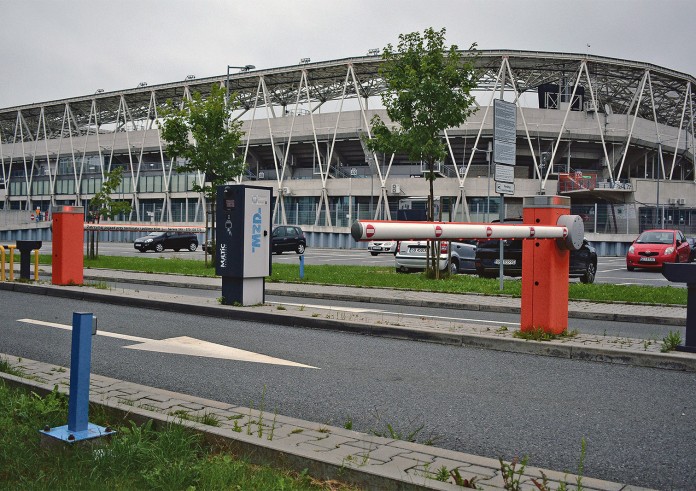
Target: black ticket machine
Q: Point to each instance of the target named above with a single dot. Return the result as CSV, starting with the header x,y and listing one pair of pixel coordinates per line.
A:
x,y
243,242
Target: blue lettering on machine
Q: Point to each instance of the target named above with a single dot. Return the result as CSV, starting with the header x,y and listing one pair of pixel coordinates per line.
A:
x,y
242,236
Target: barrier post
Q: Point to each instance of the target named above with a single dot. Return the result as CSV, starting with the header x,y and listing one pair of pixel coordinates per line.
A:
x,y
2,263
36,265
301,266
79,427
68,237
11,247
25,247
544,269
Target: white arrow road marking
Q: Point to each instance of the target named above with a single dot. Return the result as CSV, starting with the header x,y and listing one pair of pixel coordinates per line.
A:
x,y
184,345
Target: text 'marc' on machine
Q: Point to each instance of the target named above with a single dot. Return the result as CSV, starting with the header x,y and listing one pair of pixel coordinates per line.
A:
x,y
243,242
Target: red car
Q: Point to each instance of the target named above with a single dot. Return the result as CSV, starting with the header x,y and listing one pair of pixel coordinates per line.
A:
x,y
653,248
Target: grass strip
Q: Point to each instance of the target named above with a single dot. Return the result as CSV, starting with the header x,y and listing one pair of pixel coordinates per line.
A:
x,y
136,457
386,277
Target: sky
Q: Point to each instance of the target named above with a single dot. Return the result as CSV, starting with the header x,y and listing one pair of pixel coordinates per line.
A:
x,y
55,49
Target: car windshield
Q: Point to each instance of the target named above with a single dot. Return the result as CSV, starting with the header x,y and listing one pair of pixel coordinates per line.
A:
x,y
154,234
656,238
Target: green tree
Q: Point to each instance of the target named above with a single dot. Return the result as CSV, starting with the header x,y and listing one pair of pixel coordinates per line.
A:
x,y
202,133
103,205
428,90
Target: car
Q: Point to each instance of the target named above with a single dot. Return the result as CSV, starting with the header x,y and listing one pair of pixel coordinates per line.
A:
x,y
692,244
411,256
382,246
159,241
583,262
288,238
653,248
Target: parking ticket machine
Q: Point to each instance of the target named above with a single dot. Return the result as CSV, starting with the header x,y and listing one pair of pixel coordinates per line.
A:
x,y
243,242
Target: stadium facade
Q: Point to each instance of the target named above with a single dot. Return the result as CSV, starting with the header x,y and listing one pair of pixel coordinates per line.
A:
x,y
617,136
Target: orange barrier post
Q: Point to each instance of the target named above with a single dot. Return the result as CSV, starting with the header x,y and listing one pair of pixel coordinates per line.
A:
x,y
544,269
68,237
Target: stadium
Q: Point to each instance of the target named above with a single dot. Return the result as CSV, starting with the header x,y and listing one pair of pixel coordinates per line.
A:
x,y
616,136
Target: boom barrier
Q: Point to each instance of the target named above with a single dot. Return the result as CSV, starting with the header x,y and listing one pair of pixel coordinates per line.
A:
x,y
549,234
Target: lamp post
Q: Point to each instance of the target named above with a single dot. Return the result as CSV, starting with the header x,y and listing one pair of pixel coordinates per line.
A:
x,y
244,68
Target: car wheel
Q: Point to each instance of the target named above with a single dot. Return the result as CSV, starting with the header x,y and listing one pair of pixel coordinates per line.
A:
x,y
454,267
192,247
177,249
300,249
159,248
630,268
590,274
373,253
402,269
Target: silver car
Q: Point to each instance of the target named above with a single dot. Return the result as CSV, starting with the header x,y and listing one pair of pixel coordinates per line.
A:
x,y
411,256
382,246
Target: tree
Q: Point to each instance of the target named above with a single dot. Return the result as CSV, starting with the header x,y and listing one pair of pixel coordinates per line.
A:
x,y
201,132
103,205
428,91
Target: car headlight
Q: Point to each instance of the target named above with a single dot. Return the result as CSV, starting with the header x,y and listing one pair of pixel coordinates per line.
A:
x,y
669,251
631,250
147,241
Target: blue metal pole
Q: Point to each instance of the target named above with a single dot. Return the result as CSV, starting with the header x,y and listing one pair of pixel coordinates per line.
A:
x,y
80,360
301,266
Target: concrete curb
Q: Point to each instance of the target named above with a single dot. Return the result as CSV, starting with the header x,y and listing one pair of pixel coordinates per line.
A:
x,y
570,349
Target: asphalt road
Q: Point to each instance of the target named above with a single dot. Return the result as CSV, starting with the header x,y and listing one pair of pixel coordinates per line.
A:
x,y
639,423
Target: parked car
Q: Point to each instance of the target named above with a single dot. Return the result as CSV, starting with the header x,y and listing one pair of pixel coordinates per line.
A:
x,y
379,247
653,248
159,241
288,238
692,244
411,256
583,262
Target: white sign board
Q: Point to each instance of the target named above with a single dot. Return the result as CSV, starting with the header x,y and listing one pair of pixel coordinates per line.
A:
x,y
504,173
504,188
504,132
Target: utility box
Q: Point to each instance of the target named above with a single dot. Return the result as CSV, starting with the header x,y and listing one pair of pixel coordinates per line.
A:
x,y
243,242
68,234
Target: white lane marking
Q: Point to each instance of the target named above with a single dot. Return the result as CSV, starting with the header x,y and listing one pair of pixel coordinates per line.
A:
x,y
184,345
100,333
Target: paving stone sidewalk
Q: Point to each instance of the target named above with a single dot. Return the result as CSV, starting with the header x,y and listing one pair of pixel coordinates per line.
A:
x,y
327,452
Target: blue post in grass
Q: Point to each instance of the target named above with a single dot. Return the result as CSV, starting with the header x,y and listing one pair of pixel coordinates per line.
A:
x,y
79,427
301,266
80,361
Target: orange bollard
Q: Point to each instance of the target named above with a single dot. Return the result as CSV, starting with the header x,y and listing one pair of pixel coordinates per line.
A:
x,y
68,236
545,268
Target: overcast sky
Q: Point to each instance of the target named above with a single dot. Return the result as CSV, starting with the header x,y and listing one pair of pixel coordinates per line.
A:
x,y
53,49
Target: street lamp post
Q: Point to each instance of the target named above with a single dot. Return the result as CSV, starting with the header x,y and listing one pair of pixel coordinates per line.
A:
x,y
244,68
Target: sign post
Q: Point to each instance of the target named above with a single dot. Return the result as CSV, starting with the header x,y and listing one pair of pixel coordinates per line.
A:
x,y
504,155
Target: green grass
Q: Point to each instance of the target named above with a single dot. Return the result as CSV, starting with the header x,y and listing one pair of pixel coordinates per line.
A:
x,y
136,457
386,277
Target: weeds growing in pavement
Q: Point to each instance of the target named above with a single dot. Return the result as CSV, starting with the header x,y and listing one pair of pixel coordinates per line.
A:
x,y
410,434
538,334
671,341
6,367
511,474
460,481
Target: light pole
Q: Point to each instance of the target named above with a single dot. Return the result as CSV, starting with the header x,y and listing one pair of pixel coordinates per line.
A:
x,y
244,68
